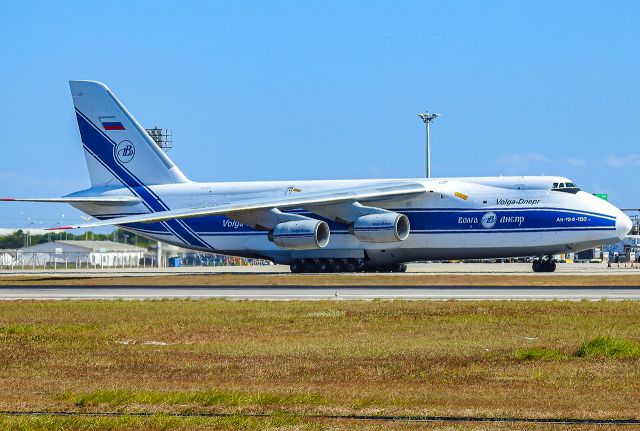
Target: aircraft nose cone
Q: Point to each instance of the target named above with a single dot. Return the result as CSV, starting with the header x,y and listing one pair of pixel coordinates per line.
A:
x,y
623,225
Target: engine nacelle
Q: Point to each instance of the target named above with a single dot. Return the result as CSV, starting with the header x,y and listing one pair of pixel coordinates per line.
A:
x,y
385,227
301,234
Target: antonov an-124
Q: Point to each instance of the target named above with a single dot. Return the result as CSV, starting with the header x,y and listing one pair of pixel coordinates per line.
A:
x,y
326,226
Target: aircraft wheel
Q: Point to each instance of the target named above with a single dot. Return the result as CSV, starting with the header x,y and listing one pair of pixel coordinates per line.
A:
x,y
351,265
550,266
398,267
537,266
310,266
361,265
323,265
337,266
388,268
296,267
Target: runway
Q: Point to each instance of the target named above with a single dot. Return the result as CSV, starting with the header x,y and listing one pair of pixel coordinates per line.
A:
x,y
287,293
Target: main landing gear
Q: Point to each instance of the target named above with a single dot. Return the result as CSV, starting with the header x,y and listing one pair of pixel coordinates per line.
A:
x,y
543,265
299,266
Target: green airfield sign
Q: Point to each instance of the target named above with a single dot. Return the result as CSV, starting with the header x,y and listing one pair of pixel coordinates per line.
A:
x,y
602,196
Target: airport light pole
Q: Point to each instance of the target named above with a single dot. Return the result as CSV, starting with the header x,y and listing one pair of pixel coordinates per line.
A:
x,y
427,119
29,233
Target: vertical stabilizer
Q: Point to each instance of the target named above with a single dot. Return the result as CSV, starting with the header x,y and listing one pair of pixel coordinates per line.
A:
x,y
118,150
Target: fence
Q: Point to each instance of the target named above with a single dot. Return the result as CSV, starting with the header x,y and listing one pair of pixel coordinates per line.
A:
x,y
101,260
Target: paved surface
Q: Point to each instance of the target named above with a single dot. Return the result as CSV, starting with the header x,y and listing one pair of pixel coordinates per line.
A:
x,y
318,293
413,268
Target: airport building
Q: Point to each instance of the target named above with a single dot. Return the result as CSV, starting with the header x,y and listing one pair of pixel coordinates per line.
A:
x,y
7,257
79,253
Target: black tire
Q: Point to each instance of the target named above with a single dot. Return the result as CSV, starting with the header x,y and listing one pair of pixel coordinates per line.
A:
x,y
392,267
310,266
337,266
537,266
351,266
402,267
296,267
551,266
323,265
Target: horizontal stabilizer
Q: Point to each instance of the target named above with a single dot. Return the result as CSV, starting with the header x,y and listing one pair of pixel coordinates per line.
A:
x,y
100,200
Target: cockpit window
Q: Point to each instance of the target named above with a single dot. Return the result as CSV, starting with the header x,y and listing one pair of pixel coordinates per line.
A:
x,y
565,187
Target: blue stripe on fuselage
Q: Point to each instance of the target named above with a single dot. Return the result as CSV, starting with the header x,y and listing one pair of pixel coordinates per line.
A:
x,y
433,221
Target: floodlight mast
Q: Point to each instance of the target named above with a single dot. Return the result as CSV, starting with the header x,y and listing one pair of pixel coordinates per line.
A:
x,y
427,119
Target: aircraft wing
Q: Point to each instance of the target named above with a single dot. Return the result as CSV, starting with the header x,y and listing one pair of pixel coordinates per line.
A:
x,y
110,200
373,192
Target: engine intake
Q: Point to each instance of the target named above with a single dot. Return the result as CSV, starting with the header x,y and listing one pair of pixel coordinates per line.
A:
x,y
301,234
385,227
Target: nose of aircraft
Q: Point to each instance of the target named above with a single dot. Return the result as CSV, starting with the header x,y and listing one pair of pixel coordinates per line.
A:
x,y
623,225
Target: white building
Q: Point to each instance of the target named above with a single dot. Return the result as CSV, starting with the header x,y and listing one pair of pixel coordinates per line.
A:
x,y
89,253
7,257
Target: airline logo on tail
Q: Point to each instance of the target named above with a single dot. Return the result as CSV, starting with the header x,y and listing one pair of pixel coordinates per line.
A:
x,y
125,151
110,123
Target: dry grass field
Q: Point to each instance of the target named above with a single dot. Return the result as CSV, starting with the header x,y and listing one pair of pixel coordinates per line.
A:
x,y
236,279
290,360
277,422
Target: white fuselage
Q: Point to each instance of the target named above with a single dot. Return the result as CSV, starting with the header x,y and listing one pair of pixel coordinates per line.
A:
x,y
488,217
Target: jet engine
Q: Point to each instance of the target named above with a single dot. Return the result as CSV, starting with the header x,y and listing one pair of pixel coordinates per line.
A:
x,y
384,227
301,234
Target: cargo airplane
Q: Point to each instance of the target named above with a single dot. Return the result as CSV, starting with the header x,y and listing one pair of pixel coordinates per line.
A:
x,y
326,226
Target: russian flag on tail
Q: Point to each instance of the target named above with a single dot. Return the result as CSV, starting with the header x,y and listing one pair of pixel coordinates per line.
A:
x,y
110,123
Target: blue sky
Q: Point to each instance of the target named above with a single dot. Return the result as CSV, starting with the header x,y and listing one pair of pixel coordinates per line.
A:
x,y
322,90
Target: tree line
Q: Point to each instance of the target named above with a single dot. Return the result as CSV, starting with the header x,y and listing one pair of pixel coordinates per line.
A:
x,y
18,239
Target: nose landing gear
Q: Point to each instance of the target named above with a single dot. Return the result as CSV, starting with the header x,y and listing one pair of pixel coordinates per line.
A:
x,y
543,265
